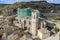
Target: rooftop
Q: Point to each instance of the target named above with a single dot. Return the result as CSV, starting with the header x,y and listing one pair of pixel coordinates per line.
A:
x,y
23,12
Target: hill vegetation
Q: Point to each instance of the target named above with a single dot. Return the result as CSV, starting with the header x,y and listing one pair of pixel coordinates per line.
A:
x,y
10,8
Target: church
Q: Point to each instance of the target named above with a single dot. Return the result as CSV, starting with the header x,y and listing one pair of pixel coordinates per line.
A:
x,y
30,20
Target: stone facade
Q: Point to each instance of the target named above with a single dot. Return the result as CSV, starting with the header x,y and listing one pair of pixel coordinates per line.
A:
x,y
43,33
32,23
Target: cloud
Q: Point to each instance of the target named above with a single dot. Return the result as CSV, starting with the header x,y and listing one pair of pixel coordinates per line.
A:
x,y
8,1
53,1
13,1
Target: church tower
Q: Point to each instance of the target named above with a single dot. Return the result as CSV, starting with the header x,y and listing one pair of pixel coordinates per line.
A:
x,y
34,23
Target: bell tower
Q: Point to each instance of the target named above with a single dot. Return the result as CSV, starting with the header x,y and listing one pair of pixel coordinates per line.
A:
x,y
34,23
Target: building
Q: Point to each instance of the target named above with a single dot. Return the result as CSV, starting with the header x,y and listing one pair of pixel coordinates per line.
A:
x,y
30,20
2,33
43,33
34,22
23,17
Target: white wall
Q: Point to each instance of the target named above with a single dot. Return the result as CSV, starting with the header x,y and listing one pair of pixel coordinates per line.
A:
x,y
12,37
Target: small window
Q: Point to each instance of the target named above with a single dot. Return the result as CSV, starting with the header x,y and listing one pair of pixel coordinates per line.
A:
x,y
24,22
17,22
29,23
37,16
34,16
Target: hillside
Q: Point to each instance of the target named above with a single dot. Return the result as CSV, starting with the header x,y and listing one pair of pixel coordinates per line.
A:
x,y
42,6
1,5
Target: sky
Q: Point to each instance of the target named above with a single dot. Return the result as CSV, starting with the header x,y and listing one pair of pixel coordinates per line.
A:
x,y
13,1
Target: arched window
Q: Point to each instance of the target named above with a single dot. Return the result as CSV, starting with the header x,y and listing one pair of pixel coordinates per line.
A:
x,y
34,16
24,22
17,22
0,37
37,16
29,22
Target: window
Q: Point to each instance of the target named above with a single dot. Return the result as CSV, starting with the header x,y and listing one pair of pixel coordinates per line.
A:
x,y
29,23
24,22
37,16
0,37
20,20
17,22
34,16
